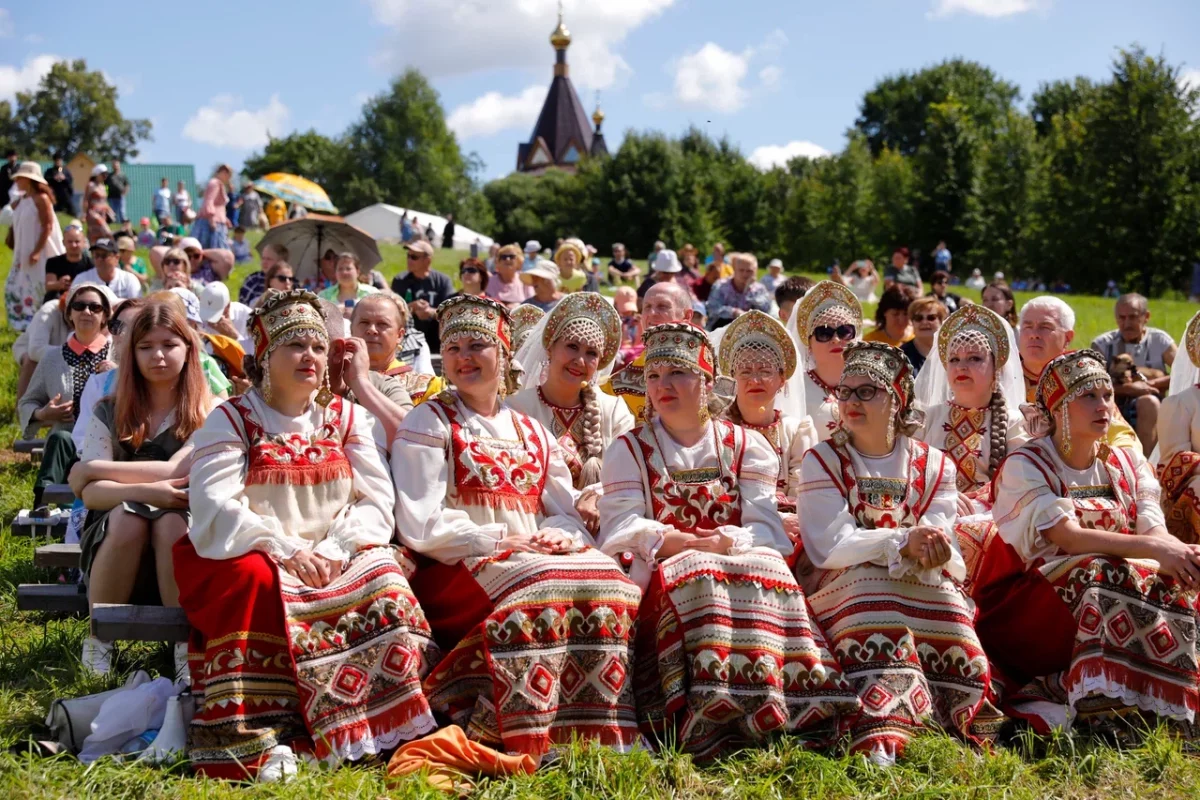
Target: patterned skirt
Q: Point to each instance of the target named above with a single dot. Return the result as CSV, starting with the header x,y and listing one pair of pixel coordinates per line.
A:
x,y
727,655
911,653
333,671
1179,499
541,648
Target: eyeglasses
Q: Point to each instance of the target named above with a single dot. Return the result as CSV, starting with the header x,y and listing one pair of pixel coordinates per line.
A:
x,y
508,257
80,305
288,279
865,393
824,333
469,271
116,326
925,318
172,260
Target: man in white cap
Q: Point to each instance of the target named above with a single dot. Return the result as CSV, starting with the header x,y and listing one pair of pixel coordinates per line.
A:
x,y
533,253
774,276
543,277
666,267
221,316
213,264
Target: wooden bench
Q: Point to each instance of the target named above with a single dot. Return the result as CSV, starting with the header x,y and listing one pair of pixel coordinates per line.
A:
x,y
57,556
63,597
58,494
58,529
124,623
34,447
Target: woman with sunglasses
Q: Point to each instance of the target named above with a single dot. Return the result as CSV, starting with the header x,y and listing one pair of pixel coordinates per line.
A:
x,y
880,563
52,397
825,321
472,277
170,269
723,629
567,355
927,316
536,624
280,277
971,392
1086,603
756,351
506,286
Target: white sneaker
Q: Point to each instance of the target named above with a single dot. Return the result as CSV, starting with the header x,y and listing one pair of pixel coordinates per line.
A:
x,y
279,767
182,671
97,655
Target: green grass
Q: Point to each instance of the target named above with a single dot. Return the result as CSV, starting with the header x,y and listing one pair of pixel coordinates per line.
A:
x,y
39,662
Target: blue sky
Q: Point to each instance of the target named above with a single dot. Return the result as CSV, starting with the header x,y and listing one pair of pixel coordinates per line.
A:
x,y
777,77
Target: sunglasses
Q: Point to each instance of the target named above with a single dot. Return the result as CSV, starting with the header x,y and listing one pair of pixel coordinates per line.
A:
x,y
194,253
172,260
824,333
80,305
288,279
469,271
865,393
415,256
925,318
116,326
508,257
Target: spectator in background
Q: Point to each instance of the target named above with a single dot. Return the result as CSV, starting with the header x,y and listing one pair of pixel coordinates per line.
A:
x,y
448,233
717,259
240,247
107,272
941,259
6,176
162,202
130,262
118,188
543,277
569,258
406,228
533,249
430,234
63,185
473,277
891,316
347,289
35,237
146,237
666,267
326,272
423,289
491,259
183,203
788,293
1152,351
659,246
207,264
732,297
223,317
976,282
276,211
702,287
62,269
252,208
926,315
861,278
506,285
212,221
97,211
256,282
689,259
1111,291
700,315
902,272
774,276
998,297
939,282
280,277
621,270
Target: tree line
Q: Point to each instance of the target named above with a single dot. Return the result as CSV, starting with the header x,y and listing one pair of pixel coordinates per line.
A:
x,y
1089,182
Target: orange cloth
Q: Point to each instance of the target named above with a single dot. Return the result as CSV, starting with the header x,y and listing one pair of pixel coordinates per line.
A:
x,y
450,756
228,351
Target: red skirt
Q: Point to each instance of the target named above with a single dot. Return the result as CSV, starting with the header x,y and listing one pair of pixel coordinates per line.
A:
x,y
541,648
333,671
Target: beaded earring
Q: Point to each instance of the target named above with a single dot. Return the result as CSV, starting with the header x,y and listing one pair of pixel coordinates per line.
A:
x,y
893,421
704,414
325,395
1065,448
266,378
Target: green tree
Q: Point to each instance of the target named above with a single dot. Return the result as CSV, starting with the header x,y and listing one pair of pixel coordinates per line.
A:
x,y
1000,217
534,206
893,214
74,110
1057,99
310,155
947,169
895,112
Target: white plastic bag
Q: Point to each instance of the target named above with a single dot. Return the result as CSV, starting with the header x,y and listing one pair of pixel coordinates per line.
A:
x,y
71,720
126,715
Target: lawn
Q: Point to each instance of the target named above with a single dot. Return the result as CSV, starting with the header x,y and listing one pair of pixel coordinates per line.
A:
x,y
39,662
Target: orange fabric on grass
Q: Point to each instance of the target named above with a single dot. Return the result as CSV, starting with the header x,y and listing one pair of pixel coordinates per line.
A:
x,y
450,757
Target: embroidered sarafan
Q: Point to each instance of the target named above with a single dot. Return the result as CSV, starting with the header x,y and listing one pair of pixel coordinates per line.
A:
x,y
294,458
695,499
965,430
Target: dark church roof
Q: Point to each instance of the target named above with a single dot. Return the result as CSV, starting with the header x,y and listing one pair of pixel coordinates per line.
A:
x,y
562,135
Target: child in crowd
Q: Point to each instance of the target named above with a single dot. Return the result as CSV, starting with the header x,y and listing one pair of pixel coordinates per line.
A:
x,y
130,262
146,237
240,247
626,302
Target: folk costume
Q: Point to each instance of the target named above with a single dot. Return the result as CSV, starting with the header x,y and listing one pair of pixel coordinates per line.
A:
x,y
975,439
827,304
903,634
1120,433
727,654
758,340
524,320
337,670
538,644
583,431
1179,441
629,384
1111,633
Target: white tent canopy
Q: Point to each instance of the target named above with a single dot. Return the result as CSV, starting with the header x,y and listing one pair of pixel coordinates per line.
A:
x,y
382,221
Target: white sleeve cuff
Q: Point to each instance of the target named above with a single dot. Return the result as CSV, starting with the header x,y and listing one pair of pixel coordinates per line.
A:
x,y
743,539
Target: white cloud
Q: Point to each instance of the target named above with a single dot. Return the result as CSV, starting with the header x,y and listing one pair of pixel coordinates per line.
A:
x,y
711,77
460,37
770,76
777,155
1190,78
224,122
494,112
22,79
985,8
6,24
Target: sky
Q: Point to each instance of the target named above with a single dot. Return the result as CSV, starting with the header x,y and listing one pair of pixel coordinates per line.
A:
x,y
778,77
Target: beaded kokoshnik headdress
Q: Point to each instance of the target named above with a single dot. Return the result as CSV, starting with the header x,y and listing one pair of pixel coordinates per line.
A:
x,y
756,338
890,368
685,345
471,317
284,316
1063,381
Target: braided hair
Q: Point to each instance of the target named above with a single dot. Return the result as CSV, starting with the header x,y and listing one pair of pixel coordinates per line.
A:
x,y
592,447
999,433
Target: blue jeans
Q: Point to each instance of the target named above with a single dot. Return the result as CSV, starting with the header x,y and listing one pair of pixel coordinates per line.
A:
x,y
118,207
211,236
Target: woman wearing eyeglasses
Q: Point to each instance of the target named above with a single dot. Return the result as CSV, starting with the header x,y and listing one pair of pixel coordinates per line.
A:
x,y
506,286
880,562
758,354
52,397
727,654
927,316
825,321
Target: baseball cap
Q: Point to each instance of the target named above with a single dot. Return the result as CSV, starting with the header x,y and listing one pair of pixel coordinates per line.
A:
x,y
533,246
213,299
105,244
421,246
541,269
667,261
99,169
125,243
191,303
775,262
145,220
190,243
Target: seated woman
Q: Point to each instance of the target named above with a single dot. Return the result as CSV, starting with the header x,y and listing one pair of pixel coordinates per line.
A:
x,y
757,353
305,635
1080,528
52,397
727,654
132,473
1179,441
880,562
566,356
348,290
823,323
380,320
539,623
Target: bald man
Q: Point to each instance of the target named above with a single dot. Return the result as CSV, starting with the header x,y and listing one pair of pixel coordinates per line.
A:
x,y
664,302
